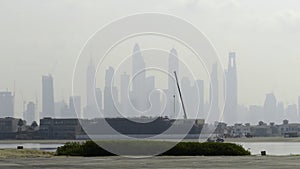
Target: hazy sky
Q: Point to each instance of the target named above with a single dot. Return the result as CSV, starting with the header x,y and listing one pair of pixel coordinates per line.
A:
x,y
41,37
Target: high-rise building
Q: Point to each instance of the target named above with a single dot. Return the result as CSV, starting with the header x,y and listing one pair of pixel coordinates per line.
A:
x,y
172,94
6,104
75,107
93,95
200,88
110,95
188,96
29,114
292,113
47,97
124,95
231,102
90,84
214,94
280,111
61,110
153,103
270,108
139,99
98,94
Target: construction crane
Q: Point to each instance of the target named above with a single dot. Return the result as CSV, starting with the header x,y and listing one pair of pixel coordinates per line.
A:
x,y
180,95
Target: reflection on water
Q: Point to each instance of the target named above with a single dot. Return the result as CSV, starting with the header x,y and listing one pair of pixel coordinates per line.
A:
x,y
272,148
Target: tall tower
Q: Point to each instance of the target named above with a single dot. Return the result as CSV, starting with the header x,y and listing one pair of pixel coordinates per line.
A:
x,y
99,98
110,95
6,104
214,93
139,79
125,104
270,108
173,103
47,96
90,84
29,114
200,87
75,106
231,102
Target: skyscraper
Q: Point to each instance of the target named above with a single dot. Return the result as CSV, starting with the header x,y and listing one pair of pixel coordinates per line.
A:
x,y
75,107
47,97
90,84
153,98
172,100
188,95
91,110
110,95
230,112
138,80
125,92
291,113
200,86
29,114
270,108
214,94
6,104
99,99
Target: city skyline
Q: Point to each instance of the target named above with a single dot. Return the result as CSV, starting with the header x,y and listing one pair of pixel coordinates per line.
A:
x,y
117,105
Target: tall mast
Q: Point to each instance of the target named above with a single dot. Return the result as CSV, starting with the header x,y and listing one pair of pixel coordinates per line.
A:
x,y
185,116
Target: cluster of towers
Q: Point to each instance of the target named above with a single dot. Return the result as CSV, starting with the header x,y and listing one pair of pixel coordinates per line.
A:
x,y
142,99
138,96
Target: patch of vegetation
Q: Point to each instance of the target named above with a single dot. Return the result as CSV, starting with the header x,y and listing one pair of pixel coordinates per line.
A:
x,y
90,148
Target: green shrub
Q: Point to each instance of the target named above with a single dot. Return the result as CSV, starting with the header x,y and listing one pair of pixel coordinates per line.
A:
x,y
90,148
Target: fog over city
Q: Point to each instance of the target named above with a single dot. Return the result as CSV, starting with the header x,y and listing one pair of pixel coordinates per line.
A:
x,y
257,43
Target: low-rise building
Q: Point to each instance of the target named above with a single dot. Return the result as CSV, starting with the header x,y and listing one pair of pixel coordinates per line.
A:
x,y
289,129
8,128
59,128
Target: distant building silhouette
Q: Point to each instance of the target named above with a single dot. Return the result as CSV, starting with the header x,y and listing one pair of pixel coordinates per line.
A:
x,y
30,114
6,104
61,110
75,107
270,108
280,111
124,94
188,95
93,106
231,102
172,92
214,94
98,93
200,86
139,98
153,104
47,97
110,95
292,113
90,84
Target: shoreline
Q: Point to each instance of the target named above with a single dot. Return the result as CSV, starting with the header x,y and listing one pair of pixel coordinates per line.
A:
x,y
227,140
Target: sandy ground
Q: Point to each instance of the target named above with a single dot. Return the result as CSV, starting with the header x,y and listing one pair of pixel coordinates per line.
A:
x,y
257,162
25,153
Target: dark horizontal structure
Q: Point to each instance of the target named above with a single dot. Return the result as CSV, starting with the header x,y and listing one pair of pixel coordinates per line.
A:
x,y
108,128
